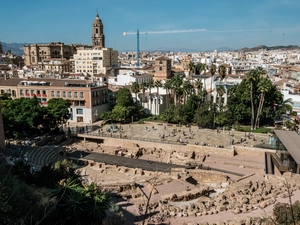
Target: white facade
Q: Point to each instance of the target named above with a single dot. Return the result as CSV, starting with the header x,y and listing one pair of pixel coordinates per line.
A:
x,y
94,61
155,103
295,99
130,77
88,114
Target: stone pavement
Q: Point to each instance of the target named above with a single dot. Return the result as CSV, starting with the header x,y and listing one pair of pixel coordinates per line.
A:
x,y
164,133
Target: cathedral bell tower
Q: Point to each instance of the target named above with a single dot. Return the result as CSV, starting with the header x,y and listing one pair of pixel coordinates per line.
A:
x,y
98,39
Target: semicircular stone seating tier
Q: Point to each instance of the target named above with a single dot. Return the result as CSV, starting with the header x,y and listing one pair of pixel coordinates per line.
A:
x,y
40,156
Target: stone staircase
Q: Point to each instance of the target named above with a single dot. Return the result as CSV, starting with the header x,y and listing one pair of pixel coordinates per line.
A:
x,y
40,156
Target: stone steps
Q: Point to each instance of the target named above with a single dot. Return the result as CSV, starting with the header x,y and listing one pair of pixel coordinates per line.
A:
x,y
40,156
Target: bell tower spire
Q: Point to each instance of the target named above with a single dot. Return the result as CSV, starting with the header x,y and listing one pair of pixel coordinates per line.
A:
x,y
98,38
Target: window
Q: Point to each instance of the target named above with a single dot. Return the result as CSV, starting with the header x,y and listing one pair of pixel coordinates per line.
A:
x,y
70,94
160,68
33,59
81,95
79,111
52,93
64,94
22,92
96,30
75,94
58,94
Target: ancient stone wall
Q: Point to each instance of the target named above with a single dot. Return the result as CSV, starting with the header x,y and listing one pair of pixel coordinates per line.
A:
x,y
252,151
204,176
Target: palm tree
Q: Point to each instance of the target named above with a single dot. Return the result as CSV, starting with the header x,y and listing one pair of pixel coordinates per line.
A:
x,y
200,67
176,82
264,86
285,106
212,70
191,67
187,88
157,84
150,85
252,79
198,85
221,91
75,201
168,86
222,71
135,88
143,87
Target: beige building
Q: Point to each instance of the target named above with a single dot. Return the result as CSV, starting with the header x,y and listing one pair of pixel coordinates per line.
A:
x,y
88,99
35,53
94,61
55,66
98,38
163,68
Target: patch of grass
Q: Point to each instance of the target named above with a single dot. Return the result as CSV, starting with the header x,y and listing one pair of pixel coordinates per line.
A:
x,y
263,130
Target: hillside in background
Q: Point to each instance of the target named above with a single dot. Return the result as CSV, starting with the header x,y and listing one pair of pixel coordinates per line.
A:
x,y
15,48
288,47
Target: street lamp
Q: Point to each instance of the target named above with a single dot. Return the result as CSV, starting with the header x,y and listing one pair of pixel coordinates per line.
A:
x,y
214,122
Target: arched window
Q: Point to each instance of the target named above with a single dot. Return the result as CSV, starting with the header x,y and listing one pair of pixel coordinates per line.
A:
x,y
96,30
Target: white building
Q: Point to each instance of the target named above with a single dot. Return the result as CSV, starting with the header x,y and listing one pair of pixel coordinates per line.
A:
x,y
130,77
93,61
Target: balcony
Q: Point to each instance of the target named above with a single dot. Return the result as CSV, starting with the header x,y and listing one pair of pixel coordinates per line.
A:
x,y
32,94
27,94
44,103
44,95
38,95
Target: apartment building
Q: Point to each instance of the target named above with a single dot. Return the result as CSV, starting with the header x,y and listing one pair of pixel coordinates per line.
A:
x,y
88,99
93,61
55,66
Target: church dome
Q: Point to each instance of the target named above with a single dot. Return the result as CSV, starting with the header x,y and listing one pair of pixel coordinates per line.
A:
x,y
97,19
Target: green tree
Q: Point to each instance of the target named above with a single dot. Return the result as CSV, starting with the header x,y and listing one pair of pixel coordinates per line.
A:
x,y
200,67
191,106
204,115
58,112
143,87
222,71
252,78
283,107
176,82
124,97
221,91
191,67
18,201
22,115
212,70
198,85
169,114
264,86
187,89
150,85
168,87
158,85
135,88
74,202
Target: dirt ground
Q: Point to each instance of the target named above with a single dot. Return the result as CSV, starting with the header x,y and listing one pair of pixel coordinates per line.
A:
x,y
253,166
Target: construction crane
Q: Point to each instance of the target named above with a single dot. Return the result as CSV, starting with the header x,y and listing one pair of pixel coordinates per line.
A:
x,y
155,32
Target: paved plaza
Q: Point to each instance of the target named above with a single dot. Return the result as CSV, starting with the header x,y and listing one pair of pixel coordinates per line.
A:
x,y
159,132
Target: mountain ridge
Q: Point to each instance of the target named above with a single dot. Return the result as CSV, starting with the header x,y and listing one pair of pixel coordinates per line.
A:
x,y
17,48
